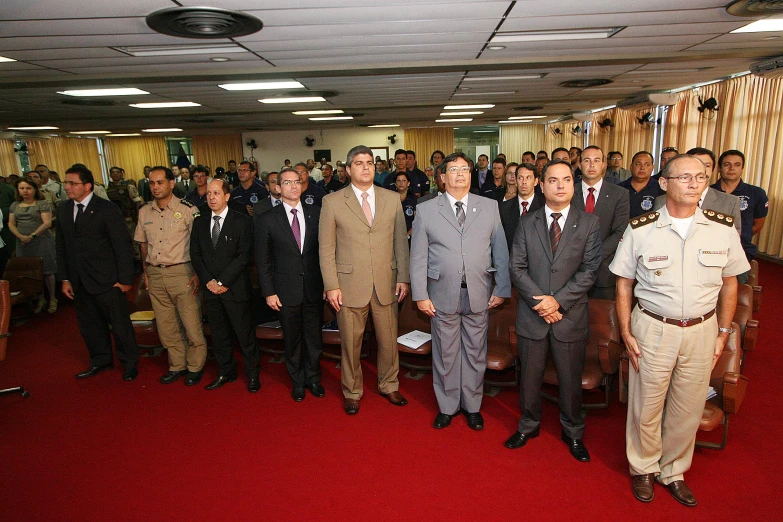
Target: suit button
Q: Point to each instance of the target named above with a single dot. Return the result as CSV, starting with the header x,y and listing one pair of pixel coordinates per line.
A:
x,y
553,270
302,274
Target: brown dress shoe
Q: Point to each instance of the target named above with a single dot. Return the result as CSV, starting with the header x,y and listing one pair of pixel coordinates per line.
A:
x,y
643,487
396,398
681,493
351,406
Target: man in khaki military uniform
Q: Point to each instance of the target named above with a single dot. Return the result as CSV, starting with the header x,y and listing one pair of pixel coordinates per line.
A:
x,y
685,260
164,233
124,194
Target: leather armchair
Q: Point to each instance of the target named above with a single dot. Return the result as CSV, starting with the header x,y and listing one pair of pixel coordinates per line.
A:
x,y
146,330
24,275
502,365
418,361
753,281
743,316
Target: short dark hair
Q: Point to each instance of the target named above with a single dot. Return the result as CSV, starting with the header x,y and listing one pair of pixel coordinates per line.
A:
x,y
732,152
614,153
642,153
283,171
554,162
252,165
401,173
512,164
558,150
300,164
577,148
529,153
593,147
223,184
410,153
454,156
702,152
362,149
169,173
542,152
529,166
499,160
436,152
480,155
85,174
232,161
400,151
201,168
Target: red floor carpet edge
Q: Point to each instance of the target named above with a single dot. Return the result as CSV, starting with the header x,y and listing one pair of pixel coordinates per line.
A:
x,y
104,449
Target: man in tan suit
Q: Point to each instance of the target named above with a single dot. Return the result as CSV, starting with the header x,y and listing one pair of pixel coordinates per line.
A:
x,y
364,261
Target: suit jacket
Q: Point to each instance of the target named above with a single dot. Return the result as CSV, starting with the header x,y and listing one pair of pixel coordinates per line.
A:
x,y
612,206
439,246
567,275
262,206
97,254
356,257
227,261
715,200
282,269
180,191
510,215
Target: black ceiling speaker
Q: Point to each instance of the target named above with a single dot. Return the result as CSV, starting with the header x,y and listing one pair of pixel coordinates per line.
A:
x,y
755,8
203,22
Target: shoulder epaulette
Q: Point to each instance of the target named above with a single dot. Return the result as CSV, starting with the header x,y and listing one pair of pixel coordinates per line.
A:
x,y
718,217
644,219
186,203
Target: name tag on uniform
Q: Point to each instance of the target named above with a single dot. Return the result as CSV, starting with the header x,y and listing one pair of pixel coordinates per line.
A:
x,y
659,258
148,222
716,252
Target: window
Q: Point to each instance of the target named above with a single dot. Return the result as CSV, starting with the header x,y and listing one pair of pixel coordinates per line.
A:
x,y
180,151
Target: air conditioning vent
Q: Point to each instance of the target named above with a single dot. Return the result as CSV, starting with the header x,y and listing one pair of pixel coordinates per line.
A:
x,y
203,22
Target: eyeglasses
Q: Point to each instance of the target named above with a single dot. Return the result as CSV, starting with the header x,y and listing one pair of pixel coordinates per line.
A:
x,y
454,170
289,182
687,178
72,183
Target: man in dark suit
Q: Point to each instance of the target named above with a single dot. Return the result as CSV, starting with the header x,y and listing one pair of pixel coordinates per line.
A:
x,y
220,248
554,260
527,201
95,263
610,203
274,196
481,173
289,272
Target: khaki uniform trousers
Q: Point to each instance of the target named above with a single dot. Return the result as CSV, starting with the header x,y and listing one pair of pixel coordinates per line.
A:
x,y
666,397
176,307
352,323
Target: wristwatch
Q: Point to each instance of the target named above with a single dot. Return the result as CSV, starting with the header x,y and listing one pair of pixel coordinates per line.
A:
x,y
726,330
33,234
219,283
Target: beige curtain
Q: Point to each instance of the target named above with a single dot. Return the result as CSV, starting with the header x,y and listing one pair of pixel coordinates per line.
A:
x,y
8,161
425,141
627,136
132,154
750,119
566,137
216,151
60,153
516,139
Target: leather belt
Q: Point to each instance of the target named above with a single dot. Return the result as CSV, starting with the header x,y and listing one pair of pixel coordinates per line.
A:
x,y
167,266
682,323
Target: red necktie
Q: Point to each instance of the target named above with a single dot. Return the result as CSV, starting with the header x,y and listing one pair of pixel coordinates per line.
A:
x,y
524,208
590,203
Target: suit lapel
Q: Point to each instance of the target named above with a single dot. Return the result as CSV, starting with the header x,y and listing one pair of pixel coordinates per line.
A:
x,y
472,211
380,206
285,226
571,223
543,233
447,212
309,227
709,199
353,204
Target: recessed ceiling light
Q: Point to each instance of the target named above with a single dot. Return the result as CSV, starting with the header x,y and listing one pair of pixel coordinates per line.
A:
x,y
460,107
516,121
173,129
674,71
478,132
496,47
501,78
771,38
33,128
759,26
164,105
311,113
90,132
464,113
220,59
177,49
257,86
130,91
571,34
4,59
453,119
384,126
498,93
302,99
327,118
122,135
524,117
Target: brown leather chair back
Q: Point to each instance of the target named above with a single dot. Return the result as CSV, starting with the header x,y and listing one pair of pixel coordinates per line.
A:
x,y
5,316
411,318
25,274
730,361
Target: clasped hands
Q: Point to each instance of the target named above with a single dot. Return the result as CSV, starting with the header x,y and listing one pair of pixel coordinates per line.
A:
x,y
548,308
215,288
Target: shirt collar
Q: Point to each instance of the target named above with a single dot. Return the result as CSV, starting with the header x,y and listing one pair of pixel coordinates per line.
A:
x,y
370,192
298,207
529,201
86,200
597,187
453,200
222,215
563,212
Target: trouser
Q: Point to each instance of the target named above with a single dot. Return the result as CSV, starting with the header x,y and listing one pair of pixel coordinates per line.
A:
x,y
175,308
352,323
666,397
569,359
459,357
224,318
95,313
303,343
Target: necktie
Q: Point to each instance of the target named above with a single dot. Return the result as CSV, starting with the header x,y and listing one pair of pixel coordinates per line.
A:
x,y
215,231
366,208
79,212
524,208
187,186
297,231
277,202
590,203
460,213
555,232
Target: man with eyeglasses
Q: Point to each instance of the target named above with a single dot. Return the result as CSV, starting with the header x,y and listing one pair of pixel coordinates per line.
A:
x,y
458,253
684,261
250,190
642,189
615,170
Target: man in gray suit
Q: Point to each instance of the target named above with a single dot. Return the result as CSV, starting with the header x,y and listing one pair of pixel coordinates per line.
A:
x,y
457,247
554,261
712,199
611,204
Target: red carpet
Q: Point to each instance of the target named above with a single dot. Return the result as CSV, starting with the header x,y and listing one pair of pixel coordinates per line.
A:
x,y
103,449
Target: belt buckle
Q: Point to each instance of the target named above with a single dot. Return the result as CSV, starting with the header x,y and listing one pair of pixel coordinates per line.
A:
x,y
685,322
161,265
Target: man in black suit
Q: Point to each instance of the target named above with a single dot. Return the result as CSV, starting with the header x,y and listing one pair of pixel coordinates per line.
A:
x,y
220,248
554,260
274,196
610,203
95,263
527,201
289,272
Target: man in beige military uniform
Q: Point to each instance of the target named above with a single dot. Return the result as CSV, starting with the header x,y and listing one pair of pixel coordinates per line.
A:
x,y
164,233
685,260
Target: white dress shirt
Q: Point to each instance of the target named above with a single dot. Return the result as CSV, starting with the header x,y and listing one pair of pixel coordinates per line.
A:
x,y
370,197
299,217
561,221
85,202
222,219
529,202
453,203
586,190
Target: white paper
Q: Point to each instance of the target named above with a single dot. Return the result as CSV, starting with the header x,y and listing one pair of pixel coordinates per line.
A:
x,y
711,393
414,339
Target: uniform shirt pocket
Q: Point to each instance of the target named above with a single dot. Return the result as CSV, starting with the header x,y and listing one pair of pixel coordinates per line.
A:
x,y
658,269
711,264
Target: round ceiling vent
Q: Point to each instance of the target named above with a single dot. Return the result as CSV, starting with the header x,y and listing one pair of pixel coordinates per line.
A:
x,y
581,84
755,8
203,22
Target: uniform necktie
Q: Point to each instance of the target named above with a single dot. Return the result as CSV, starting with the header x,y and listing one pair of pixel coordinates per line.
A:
x,y
79,212
590,203
277,202
460,213
216,231
297,231
366,208
187,185
524,208
554,231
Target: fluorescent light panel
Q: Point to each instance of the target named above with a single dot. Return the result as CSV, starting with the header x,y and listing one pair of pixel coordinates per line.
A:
x,y
164,105
516,121
4,59
460,107
465,113
174,50
301,99
538,36
501,78
327,118
162,130
129,91
384,126
447,120
90,132
484,93
33,128
123,135
313,113
524,117
673,71
257,86
760,26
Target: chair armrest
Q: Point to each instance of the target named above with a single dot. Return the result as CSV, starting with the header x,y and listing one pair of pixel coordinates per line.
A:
x,y
751,334
734,386
28,285
512,337
756,298
609,353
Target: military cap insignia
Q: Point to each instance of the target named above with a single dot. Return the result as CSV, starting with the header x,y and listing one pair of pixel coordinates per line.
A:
x,y
719,218
646,219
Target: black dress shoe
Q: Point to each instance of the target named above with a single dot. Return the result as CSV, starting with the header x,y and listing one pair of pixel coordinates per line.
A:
x,y
221,380
172,376
129,374
682,493
577,448
193,378
94,370
351,406
517,440
298,394
475,421
441,421
253,384
317,390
